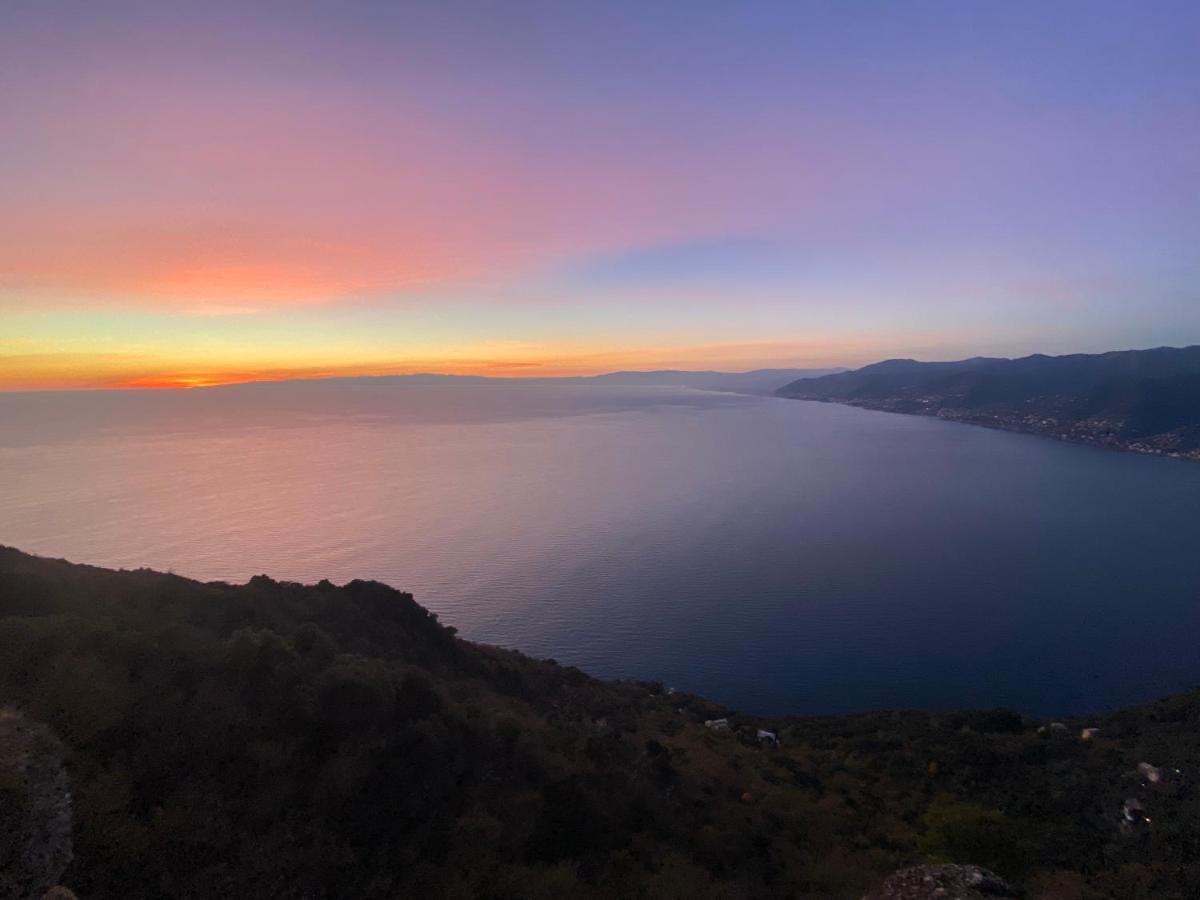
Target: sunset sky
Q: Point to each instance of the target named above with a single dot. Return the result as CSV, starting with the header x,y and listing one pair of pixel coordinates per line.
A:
x,y
196,193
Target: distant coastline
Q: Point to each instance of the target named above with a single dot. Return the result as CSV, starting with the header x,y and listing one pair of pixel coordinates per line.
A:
x,y
1071,434
1144,401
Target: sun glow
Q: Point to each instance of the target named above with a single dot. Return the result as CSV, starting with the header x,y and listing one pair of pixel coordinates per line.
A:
x,y
309,360
363,197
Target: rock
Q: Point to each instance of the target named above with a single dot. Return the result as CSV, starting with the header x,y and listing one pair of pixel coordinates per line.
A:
x,y
35,809
949,882
1152,774
1132,809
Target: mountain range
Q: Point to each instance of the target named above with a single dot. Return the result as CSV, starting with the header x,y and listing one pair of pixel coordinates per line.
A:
x,y
1143,400
757,381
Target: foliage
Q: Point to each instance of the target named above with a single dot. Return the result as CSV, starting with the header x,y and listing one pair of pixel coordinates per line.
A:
x,y
960,832
280,740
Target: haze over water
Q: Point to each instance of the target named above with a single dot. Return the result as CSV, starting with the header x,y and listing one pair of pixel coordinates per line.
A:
x,y
780,556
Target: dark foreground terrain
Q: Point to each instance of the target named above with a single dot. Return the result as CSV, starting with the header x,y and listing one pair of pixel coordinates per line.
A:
x,y
280,740
1144,400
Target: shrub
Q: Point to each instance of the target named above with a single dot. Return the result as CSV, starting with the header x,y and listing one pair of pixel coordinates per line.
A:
x,y
962,832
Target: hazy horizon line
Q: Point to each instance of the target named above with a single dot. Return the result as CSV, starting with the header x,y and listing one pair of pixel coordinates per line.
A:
x,y
190,383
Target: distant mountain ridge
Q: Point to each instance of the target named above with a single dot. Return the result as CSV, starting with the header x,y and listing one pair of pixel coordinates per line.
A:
x,y
1143,400
756,381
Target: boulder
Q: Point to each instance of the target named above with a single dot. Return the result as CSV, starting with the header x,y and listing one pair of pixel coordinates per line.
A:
x,y
947,882
35,809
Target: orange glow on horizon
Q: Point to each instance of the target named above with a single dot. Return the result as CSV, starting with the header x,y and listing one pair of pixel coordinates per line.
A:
x,y
177,381
68,373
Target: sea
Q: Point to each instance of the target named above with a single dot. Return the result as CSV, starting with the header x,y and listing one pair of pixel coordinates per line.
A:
x,y
778,556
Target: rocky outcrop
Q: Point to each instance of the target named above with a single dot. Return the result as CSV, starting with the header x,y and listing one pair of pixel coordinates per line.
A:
x,y
947,882
35,809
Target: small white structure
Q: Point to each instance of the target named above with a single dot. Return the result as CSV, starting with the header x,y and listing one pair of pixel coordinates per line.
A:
x,y
1088,733
1152,774
717,724
768,737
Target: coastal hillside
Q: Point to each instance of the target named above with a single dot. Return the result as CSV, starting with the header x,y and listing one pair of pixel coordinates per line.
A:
x,y
273,739
1144,400
759,381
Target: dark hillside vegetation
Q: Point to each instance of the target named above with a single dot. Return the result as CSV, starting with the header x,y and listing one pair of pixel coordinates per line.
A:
x,y
1145,400
280,740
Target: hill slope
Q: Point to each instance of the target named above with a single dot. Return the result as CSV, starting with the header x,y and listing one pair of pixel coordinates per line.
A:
x,y
279,740
1145,400
759,381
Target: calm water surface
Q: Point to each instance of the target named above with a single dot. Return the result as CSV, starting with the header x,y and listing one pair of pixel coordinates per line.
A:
x,y
777,555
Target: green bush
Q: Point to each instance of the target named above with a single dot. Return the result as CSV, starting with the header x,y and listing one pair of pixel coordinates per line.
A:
x,y
960,832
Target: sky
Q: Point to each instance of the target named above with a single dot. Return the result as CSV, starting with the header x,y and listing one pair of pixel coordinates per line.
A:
x,y
199,193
